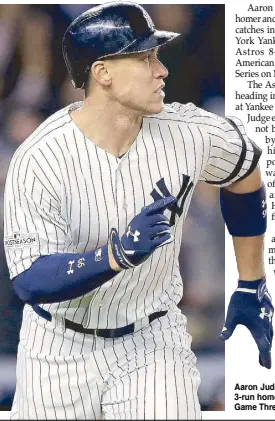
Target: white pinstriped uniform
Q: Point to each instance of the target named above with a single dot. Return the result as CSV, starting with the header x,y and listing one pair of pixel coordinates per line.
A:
x,y
65,194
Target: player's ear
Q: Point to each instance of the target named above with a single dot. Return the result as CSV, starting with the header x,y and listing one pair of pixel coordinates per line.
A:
x,y
100,72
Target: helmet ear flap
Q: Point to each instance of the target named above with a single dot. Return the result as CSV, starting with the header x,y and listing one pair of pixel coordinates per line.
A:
x,y
79,81
84,78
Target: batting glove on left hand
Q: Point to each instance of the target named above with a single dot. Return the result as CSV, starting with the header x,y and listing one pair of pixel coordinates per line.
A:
x,y
250,305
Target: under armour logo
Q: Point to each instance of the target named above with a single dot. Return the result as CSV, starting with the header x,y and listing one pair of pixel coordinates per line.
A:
x,y
263,314
81,262
177,208
135,234
70,263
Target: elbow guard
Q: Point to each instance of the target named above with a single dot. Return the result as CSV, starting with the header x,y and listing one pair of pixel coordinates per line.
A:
x,y
244,214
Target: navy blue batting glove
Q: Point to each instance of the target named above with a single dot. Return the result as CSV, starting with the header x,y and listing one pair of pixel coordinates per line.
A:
x,y
250,305
146,232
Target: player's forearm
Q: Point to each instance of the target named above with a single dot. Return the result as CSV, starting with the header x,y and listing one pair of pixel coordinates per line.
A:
x,y
249,248
61,277
249,257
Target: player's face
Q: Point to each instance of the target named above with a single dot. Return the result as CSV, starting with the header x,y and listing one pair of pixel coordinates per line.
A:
x,y
137,82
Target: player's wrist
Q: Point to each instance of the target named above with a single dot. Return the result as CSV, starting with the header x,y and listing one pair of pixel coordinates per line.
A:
x,y
257,286
120,260
113,264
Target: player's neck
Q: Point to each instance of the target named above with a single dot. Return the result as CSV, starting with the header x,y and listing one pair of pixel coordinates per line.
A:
x,y
110,127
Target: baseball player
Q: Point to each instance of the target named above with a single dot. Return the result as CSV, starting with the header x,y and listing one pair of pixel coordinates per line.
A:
x,y
95,202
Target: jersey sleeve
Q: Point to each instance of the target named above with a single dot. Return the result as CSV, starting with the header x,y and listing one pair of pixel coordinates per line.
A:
x,y
231,155
33,224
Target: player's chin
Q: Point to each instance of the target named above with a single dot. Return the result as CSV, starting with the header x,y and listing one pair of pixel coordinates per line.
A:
x,y
155,107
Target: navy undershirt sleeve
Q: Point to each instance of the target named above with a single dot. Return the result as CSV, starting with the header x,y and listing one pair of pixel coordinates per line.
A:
x,y
61,277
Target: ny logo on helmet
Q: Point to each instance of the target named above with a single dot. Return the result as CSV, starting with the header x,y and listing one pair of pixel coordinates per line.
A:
x,y
177,208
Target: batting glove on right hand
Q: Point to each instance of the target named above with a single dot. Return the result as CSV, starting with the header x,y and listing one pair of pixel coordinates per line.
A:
x,y
146,232
250,305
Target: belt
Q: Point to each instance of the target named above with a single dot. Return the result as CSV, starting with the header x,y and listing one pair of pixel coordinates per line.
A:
x,y
104,333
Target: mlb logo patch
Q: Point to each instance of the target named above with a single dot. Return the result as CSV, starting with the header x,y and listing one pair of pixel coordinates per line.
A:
x,y
20,241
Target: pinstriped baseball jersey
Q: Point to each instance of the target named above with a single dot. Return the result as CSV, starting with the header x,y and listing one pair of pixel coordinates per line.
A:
x,y
64,193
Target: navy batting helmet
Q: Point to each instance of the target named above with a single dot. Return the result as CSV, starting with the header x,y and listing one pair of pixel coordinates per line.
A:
x,y
111,29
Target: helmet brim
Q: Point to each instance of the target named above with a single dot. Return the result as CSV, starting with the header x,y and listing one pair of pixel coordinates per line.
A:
x,y
142,44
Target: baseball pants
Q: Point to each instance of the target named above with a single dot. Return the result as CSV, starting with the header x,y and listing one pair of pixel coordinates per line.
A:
x,y
149,374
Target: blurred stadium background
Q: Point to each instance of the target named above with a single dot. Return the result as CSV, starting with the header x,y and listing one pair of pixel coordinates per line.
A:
x,y
34,84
